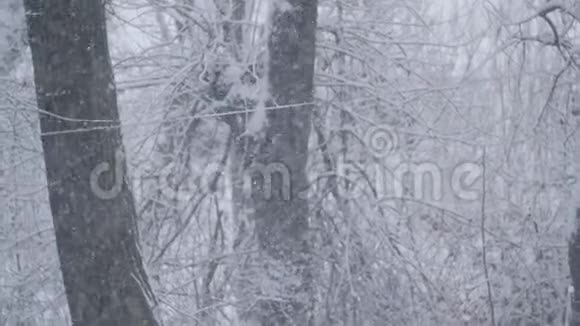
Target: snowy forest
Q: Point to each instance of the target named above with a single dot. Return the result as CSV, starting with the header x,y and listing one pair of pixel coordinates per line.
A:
x,y
289,162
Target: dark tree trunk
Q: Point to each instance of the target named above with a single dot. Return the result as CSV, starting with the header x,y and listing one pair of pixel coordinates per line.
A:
x,y
574,262
282,224
96,238
574,243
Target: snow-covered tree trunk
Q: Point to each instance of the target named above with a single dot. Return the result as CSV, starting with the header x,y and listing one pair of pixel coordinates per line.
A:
x,y
94,218
282,222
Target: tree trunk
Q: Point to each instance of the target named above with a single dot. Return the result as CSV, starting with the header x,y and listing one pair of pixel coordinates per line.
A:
x,y
574,261
574,243
574,255
282,222
96,234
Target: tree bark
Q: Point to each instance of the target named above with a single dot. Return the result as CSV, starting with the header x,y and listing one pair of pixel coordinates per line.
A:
x,y
574,262
281,223
574,243
96,235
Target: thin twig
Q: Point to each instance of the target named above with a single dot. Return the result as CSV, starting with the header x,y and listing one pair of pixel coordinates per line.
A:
x,y
483,247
